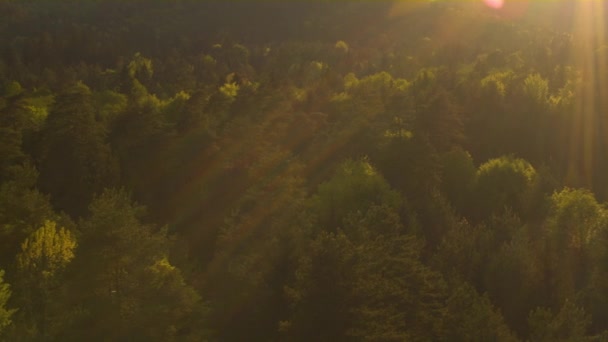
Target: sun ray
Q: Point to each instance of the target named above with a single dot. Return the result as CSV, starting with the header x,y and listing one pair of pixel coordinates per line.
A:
x,y
589,58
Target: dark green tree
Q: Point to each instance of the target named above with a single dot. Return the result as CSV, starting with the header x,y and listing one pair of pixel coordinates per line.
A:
x,y
121,285
458,179
472,317
23,209
75,160
574,224
570,323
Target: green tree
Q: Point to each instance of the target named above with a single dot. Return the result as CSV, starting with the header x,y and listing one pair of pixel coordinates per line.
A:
x,y
10,149
355,186
411,166
458,179
514,275
365,282
440,119
322,294
47,250
397,297
536,89
12,89
463,253
503,183
576,220
139,70
75,161
44,255
138,137
121,282
5,313
14,120
472,317
533,111
571,323
23,209
254,253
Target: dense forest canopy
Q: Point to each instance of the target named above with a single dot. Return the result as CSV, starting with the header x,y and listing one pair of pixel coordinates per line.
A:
x,y
303,170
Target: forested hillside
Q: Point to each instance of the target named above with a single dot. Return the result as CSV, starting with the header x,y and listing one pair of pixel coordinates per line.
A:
x,y
303,171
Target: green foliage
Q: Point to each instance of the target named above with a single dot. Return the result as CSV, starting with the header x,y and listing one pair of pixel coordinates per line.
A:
x,y
119,253
255,255
503,183
12,89
140,67
472,317
494,85
575,218
75,162
22,210
355,186
230,90
111,104
569,324
323,289
373,290
44,256
342,46
10,149
400,298
458,178
438,116
514,275
5,313
170,310
247,146
46,251
573,226
536,88
463,252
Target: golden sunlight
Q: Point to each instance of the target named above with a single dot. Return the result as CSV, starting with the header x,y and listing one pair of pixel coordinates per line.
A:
x,y
589,57
496,4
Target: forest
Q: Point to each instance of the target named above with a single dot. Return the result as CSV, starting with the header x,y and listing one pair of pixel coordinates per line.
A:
x,y
314,170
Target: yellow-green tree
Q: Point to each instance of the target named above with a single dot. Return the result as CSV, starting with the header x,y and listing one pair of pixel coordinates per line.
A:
x,y
503,183
47,251
5,313
22,210
44,255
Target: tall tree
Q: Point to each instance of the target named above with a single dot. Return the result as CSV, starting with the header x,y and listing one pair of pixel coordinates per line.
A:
x,y
254,254
121,283
458,179
44,255
472,317
75,161
23,209
576,220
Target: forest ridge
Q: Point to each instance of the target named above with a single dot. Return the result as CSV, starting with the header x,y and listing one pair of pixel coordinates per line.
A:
x,y
303,171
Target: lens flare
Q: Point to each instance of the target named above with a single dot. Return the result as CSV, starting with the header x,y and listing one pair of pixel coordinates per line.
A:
x,y
495,4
